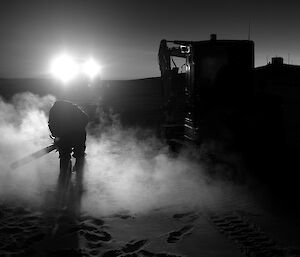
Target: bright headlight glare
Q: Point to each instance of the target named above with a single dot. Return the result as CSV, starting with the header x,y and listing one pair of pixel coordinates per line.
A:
x,y
64,68
91,68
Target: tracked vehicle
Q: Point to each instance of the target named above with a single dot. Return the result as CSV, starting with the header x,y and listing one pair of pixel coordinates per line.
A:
x,y
207,89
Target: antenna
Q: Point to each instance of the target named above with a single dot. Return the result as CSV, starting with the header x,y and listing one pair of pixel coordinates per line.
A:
x,y
249,30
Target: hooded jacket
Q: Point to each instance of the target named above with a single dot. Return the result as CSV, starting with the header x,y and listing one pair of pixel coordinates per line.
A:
x,y
66,118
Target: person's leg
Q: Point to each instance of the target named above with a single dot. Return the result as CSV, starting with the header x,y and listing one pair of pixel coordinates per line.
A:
x,y
65,149
64,174
79,149
79,154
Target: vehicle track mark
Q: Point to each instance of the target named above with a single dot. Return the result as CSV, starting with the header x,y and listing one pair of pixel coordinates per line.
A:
x,y
249,237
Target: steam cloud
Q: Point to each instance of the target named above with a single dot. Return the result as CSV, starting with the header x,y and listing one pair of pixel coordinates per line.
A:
x,y
23,129
127,169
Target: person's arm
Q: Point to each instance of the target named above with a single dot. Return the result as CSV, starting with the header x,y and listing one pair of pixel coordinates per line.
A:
x,y
53,124
82,117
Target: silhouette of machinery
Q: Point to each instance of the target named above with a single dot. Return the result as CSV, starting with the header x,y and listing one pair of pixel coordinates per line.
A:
x,y
209,94
216,75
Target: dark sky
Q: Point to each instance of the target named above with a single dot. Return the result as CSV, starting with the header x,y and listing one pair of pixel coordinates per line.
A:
x,y
124,35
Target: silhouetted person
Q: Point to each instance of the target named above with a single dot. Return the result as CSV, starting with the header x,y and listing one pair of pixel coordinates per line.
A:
x,y
67,124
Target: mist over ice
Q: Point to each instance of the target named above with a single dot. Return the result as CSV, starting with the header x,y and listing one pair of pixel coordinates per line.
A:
x,y
128,169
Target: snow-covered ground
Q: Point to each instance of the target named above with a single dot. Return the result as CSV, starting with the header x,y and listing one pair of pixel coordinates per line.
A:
x,y
239,228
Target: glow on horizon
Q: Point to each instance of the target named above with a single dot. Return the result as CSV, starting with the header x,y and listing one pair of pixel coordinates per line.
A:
x,y
64,68
67,68
91,68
